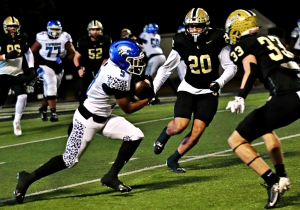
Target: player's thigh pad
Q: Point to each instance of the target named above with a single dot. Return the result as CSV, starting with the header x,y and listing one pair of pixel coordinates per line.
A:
x,y
50,81
119,128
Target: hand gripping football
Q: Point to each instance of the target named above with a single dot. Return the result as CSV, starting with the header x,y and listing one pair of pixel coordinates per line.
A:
x,y
142,90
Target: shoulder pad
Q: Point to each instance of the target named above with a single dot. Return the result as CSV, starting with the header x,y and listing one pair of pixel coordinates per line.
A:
x,y
42,35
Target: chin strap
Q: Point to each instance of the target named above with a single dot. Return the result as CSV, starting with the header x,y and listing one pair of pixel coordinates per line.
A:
x,y
195,35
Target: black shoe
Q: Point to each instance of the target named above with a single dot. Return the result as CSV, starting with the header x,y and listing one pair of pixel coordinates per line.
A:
x,y
158,147
22,187
114,183
43,114
155,101
54,117
277,190
174,166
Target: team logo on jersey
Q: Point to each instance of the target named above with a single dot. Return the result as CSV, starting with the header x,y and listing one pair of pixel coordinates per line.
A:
x,y
123,50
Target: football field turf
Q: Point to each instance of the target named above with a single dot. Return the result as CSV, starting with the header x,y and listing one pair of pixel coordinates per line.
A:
x,y
215,177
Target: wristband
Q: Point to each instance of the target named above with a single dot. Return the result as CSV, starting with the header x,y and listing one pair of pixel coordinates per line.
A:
x,y
3,57
78,68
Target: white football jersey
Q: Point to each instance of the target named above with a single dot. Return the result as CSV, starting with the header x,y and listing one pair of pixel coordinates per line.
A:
x,y
98,101
152,45
53,48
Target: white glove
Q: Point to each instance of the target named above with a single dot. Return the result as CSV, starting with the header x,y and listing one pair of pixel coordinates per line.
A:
x,y
237,106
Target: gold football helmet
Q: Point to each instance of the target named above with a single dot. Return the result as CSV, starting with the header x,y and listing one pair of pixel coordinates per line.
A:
x,y
240,23
196,17
11,21
125,33
95,24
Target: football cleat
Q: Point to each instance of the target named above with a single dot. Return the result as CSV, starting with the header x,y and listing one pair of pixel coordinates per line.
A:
x,y
22,187
43,114
17,128
155,101
114,183
174,166
54,117
276,190
158,147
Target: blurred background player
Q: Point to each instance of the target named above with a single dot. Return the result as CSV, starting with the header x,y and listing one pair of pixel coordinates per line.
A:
x,y
151,44
126,33
294,45
13,45
181,68
91,52
50,49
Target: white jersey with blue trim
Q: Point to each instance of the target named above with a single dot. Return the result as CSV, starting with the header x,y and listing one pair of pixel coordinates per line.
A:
x,y
53,48
152,45
98,101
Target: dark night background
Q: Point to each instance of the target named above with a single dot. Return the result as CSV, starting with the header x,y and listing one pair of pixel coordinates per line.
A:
x,y
116,15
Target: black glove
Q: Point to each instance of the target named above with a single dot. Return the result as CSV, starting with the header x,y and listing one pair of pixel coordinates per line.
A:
x,y
12,55
30,77
214,86
149,78
150,93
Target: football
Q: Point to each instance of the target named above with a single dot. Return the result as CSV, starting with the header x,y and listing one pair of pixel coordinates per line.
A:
x,y
141,89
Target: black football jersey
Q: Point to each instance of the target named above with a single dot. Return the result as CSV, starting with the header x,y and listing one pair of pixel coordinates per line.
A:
x,y
93,53
268,50
20,43
270,54
201,58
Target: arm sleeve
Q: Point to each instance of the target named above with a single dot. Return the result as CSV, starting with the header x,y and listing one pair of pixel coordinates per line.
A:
x,y
29,58
229,67
166,69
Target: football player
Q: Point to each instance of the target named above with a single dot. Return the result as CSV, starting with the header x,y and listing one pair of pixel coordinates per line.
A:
x,y
110,87
50,49
262,57
203,49
91,52
294,45
13,45
151,44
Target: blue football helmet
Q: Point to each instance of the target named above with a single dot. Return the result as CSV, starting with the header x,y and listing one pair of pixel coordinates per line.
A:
x,y
152,28
127,54
181,28
298,23
54,28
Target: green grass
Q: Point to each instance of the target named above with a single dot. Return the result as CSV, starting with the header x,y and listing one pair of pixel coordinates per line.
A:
x,y
215,178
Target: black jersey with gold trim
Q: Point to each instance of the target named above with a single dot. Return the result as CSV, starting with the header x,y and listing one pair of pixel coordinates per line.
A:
x,y
19,43
201,58
93,52
269,51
